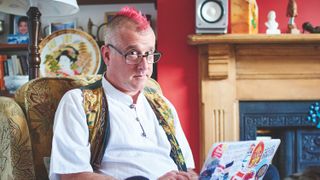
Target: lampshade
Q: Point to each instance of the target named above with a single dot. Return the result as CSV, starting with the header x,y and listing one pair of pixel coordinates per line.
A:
x,y
46,7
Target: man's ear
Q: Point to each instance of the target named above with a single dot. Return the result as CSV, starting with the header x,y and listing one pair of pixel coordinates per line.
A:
x,y
105,54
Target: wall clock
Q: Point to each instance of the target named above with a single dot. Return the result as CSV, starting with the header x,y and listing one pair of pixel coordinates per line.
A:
x,y
69,52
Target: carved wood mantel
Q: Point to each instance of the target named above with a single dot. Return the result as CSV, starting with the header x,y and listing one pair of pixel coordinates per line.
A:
x,y
236,67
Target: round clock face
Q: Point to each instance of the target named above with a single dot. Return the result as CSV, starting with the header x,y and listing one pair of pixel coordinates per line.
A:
x,y
69,52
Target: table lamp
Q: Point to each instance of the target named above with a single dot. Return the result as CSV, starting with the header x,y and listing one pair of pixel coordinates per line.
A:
x,y
32,9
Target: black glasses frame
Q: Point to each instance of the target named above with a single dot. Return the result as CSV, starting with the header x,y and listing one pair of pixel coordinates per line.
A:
x,y
156,56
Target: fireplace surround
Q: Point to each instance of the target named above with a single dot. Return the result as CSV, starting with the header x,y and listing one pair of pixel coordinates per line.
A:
x,y
285,120
235,68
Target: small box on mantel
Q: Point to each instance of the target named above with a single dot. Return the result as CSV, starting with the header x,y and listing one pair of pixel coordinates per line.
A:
x,y
244,17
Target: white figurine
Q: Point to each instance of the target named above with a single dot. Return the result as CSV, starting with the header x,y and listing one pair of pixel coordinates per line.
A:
x,y
272,25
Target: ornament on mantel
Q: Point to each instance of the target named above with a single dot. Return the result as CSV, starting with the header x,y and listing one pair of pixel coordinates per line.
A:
x,y
314,114
307,26
272,24
292,12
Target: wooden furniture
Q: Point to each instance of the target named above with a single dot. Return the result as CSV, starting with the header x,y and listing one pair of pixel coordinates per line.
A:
x,y
10,49
33,46
239,67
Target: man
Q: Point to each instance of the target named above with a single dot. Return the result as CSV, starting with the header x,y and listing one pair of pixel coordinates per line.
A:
x,y
141,143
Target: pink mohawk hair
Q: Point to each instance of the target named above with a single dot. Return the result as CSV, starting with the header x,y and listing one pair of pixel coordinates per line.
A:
x,y
135,15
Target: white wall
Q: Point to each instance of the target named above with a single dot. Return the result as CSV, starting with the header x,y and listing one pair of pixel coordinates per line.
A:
x,y
95,12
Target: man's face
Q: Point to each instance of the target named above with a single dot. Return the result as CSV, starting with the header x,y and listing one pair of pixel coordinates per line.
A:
x,y
129,78
23,27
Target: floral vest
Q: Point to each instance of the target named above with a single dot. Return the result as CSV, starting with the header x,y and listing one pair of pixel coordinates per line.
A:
x,y
96,110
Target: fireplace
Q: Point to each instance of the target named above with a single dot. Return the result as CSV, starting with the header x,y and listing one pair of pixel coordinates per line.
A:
x,y
286,120
237,68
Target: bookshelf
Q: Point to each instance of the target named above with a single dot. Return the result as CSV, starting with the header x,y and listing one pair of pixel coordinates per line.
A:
x,y
11,49
8,50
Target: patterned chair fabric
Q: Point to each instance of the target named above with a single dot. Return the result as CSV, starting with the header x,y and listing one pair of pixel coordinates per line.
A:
x,y
39,99
15,150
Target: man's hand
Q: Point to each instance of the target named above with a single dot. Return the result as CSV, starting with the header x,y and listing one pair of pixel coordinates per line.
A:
x,y
179,175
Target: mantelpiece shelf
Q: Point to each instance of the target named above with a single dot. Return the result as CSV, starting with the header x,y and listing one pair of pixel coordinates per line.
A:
x,y
197,39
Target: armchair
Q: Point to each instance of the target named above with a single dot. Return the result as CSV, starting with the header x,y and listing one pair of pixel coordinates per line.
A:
x,y
35,104
15,147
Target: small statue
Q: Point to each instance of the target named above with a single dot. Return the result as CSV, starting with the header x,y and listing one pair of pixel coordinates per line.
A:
x,y
307,26
272,25
292,12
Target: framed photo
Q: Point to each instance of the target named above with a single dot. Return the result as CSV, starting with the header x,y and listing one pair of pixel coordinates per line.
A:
x,y
56,26
19,25
102,27
108,16
18,30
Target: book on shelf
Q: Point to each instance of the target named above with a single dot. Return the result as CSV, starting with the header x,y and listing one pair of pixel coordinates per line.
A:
x,y
2,60
15,65
12,68
24,64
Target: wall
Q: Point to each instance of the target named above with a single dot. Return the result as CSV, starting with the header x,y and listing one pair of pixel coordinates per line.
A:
x,y
307,11
96,14
178,69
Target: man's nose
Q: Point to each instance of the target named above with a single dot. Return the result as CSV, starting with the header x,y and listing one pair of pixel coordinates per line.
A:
x,y
143,61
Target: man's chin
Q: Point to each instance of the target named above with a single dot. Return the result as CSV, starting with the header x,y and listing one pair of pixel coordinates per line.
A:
x,y
138,82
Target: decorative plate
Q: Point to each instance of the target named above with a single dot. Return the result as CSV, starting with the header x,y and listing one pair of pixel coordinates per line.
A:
x,y
69,52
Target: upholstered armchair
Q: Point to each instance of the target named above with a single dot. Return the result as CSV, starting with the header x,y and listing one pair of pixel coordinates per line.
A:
x,y
16,160
26,125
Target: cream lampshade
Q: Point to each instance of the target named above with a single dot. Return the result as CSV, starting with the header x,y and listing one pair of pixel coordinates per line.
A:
x,y
46,7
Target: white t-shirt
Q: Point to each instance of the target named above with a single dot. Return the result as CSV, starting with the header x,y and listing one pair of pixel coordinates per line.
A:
x,y
128,153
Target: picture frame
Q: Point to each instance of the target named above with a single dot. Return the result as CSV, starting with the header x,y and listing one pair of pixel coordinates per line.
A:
x,y
18,33
15,20
108,16
56,26
102,27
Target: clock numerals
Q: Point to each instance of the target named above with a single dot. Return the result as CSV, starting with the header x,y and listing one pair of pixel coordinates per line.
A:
x,y
67,38
52,44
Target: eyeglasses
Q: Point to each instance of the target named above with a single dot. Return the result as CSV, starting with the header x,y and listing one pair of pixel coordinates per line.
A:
x,y
133,57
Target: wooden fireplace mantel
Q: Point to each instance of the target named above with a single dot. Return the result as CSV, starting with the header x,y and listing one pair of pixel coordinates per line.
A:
x,y
239,67
253,39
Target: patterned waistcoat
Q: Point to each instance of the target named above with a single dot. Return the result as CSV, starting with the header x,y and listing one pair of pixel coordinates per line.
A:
x,y
98,120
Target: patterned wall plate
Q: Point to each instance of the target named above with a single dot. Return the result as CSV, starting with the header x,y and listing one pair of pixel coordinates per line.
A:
x,y
69,52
